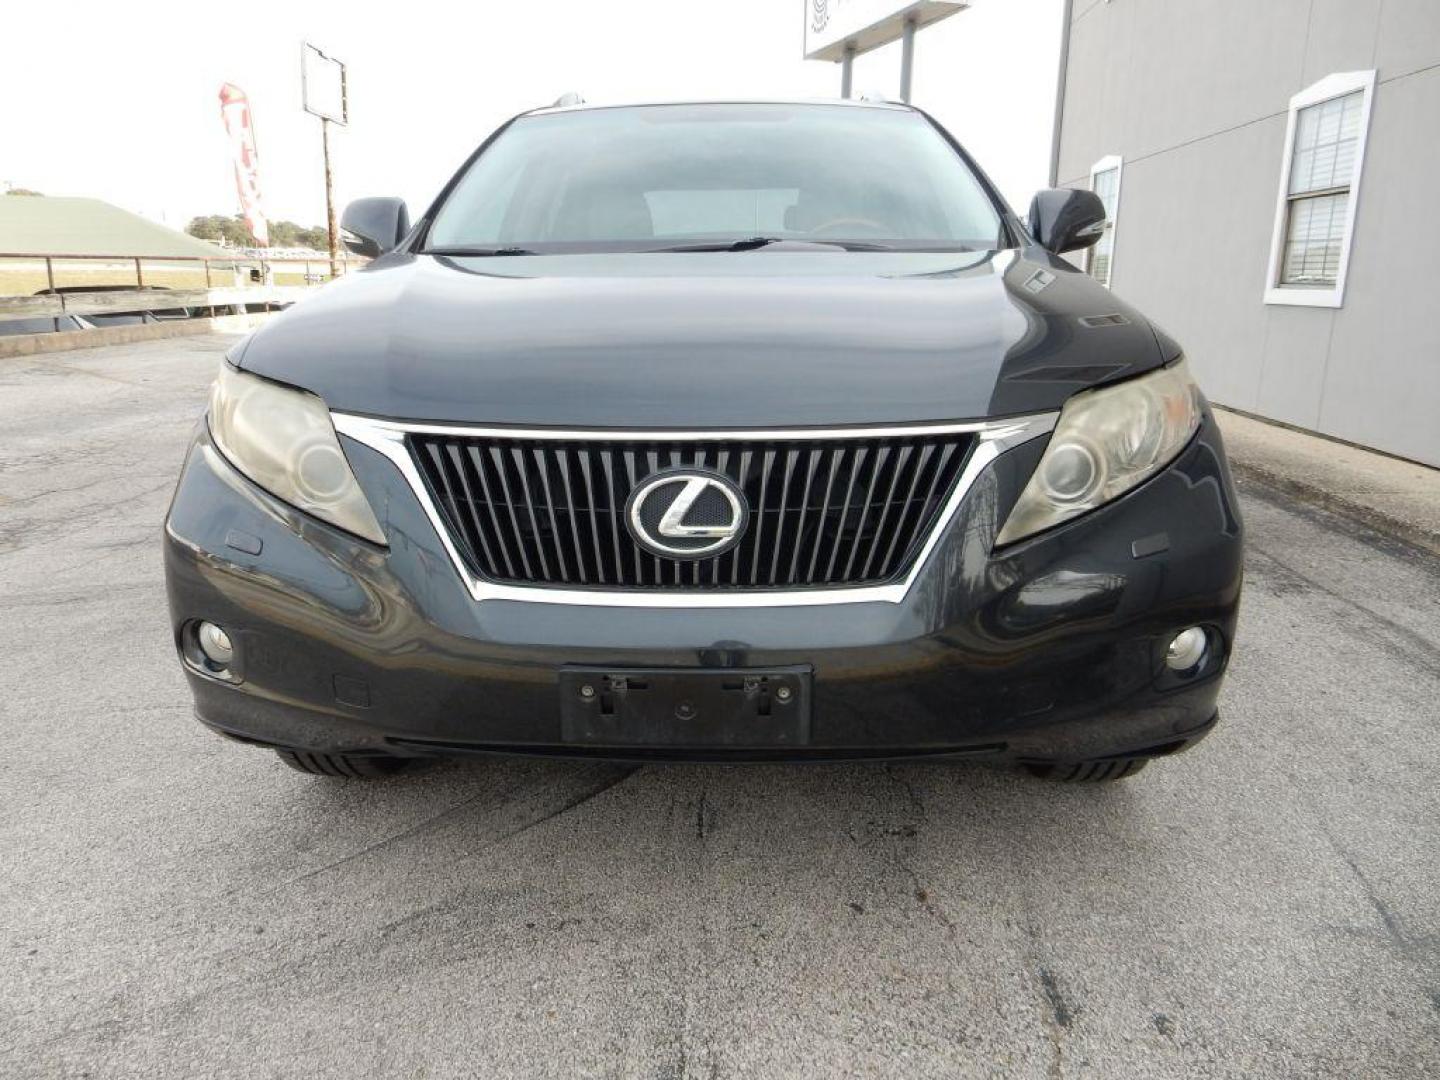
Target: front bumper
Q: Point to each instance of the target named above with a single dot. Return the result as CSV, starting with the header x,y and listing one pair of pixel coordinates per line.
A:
x,y
1051,650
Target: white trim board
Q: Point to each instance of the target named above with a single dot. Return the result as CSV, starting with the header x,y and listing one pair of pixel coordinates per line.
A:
x,y
1105,164
1332,86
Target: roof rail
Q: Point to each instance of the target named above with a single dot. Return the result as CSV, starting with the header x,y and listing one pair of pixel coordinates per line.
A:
x,y
565,100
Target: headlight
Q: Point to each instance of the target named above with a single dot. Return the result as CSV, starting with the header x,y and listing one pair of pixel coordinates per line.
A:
x,y
283,440
1106,442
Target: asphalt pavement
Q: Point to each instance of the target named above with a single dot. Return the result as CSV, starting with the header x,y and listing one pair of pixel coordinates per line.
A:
x,y
172,904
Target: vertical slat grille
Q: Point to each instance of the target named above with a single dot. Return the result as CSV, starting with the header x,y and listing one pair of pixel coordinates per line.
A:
x,y
823,513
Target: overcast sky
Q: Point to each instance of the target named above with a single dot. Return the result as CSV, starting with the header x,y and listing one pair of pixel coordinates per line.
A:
x,y
124,106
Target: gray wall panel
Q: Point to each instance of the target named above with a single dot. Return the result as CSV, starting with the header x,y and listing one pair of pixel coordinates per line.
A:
x,y
1294,353
1409,36
1089,114
1153,74
1342,37
1182,253
1383,385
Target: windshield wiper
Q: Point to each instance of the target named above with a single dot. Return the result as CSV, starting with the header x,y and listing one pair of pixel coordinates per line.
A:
x,y
751,243
472,252
754,243
748,244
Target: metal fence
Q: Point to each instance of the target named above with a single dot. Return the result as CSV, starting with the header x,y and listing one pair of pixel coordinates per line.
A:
x,y
48,285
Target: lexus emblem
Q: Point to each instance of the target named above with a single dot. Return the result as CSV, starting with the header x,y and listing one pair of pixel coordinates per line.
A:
x,y
687,513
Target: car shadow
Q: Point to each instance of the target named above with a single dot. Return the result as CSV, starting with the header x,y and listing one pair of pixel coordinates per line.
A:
x,y
581,816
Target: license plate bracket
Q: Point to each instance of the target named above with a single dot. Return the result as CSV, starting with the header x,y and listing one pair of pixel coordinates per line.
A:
x,y
686,707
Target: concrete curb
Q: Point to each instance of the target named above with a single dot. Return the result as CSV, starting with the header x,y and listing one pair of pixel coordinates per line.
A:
x,y
66,340
1386,524
1396,498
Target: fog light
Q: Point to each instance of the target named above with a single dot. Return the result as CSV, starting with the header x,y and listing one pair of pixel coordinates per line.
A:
x,y
1186,650
215,644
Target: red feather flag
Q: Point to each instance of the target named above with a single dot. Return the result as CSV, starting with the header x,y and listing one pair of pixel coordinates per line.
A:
x,y
235,109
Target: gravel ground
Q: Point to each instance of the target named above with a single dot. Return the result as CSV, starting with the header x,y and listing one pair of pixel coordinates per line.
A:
x,y
173,904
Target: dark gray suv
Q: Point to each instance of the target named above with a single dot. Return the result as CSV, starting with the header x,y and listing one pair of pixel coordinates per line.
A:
x,y
722,432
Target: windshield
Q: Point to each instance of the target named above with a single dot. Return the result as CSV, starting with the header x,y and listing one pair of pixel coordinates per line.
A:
x,y
662,177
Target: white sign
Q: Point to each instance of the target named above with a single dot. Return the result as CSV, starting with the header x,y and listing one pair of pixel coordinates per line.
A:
x,y
833,27
322,85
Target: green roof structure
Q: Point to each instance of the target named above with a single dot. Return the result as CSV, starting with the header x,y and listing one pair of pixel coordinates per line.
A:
x,y
53,225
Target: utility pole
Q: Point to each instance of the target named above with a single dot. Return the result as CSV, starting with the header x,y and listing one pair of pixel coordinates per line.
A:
x,y
330,201
324,93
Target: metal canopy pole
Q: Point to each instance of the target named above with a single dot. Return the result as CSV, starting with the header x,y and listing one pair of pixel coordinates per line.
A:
x,y
1060,80
907,60
847,70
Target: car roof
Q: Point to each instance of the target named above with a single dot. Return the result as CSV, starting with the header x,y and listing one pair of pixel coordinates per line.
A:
x,y
854,103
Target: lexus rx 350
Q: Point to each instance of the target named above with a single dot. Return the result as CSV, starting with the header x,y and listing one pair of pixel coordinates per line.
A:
x,y
722,432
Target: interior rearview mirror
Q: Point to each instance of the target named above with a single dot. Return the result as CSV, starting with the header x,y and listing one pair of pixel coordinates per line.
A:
x,y
372,227
1065,219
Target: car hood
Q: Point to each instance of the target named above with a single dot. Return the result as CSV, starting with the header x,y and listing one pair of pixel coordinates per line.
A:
x,y
733,339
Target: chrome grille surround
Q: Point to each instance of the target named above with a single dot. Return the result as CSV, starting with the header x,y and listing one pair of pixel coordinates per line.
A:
x,y
987,440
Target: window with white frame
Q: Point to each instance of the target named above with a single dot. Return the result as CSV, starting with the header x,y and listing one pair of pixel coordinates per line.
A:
x,y
1105,182
1319,186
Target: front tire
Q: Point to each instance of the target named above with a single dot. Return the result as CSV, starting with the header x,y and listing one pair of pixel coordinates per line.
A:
x,y
1089,772
349,766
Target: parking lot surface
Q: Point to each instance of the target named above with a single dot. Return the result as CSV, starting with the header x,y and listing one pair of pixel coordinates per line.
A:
x,y
173,904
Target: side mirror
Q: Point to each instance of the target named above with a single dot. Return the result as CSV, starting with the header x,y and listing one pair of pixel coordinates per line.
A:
x,y
372,227
1064,219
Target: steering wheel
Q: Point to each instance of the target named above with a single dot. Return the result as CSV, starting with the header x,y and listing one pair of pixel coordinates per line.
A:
x,y
848,222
